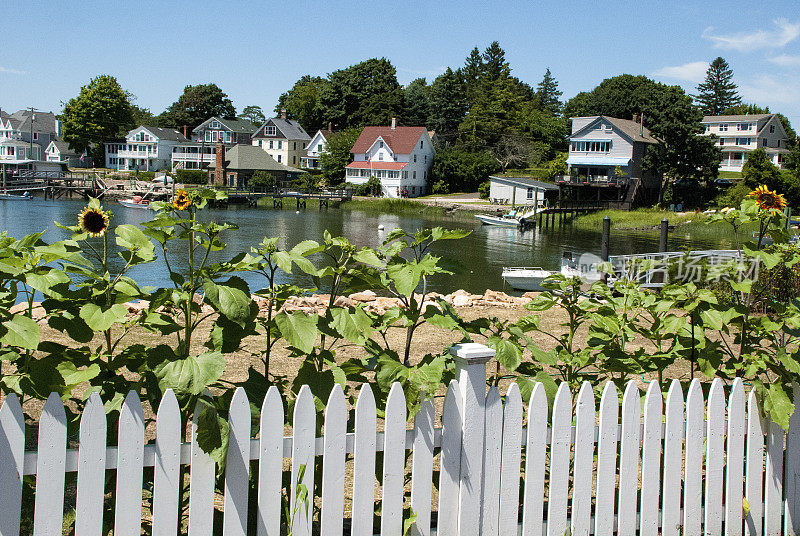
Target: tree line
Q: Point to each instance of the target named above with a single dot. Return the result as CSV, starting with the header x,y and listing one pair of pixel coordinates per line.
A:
x,y
486,120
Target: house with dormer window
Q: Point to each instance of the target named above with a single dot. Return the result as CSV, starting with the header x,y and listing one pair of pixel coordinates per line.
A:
x,y
24,138
738,135
400,157
283,139
143,149
315,148
198,153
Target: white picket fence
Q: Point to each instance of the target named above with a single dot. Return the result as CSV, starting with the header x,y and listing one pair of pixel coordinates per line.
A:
x,y
676,468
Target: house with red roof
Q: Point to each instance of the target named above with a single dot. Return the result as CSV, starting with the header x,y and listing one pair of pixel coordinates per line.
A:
x,y
400,157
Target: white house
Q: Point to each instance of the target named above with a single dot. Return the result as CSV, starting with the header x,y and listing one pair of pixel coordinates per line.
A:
x,y
59,152
143,149
315,148
520,191
400,157
738,135
199,152
24,135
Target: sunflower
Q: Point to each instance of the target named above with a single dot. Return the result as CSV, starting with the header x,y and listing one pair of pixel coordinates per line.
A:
x,y
767,200
93,220
181,200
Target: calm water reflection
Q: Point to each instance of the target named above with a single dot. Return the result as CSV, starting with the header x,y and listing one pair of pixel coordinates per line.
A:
x,y
476,261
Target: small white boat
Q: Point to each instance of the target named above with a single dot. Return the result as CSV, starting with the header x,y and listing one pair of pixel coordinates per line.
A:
x,y
525,278
135,202
513,218
14,197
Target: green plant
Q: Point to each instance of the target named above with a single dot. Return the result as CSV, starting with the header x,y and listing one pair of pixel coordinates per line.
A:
x,y
191,176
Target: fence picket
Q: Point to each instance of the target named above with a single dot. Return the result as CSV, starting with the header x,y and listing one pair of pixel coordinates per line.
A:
x,y
693,465
673,458
12,459
607,461
773,480
450,462
558,489
651,461
237,466
394,461
629,460
48,514
535,452
202,474
792,471
166,475
715,446
335,441
492,453
754,470
130,464
91,468
583,461
364,463
734,465
511,459
270,464
422,469
304,425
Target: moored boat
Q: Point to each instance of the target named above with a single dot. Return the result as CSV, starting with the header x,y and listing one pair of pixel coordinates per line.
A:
x,y
136,201
26,196
525,278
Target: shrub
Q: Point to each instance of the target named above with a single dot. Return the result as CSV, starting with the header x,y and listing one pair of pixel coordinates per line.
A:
x,y
145,175
262,179
484,189
440,187
191,176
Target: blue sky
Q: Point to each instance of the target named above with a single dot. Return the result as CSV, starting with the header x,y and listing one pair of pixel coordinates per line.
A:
x,y
256,50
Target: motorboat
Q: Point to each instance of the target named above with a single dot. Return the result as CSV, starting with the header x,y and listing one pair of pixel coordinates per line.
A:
x,y
137,201
526,278
513,218
25,196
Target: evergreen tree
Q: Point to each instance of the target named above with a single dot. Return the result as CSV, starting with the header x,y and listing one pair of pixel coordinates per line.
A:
x,y
416,103
494,62
474,68
717,92
448,105
549,94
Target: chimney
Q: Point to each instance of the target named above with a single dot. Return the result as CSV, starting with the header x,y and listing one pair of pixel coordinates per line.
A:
x,y
185,130
394,123
283,113
642,126
635,118
330,126
219,168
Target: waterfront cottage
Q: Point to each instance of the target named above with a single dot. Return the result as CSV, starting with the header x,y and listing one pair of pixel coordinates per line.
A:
x,y
24,136
400,157
518,191
60,153
315,148
738,135
605,162
143,149
283,139
199,152
235,167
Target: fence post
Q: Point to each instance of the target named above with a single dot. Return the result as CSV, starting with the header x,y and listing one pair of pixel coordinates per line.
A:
x,y
471,359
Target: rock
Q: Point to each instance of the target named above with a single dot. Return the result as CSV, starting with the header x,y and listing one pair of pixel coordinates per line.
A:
x,y
343,301
530,295
364,297
461,300
387,303
497,296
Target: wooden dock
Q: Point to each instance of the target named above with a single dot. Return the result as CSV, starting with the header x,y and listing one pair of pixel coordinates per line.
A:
x,y
278,195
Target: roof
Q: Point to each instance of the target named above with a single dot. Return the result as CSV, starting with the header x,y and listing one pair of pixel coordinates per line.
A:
x,y
631,129
289,129
63,147
253,158
367,164
525,182
234,125
169,134
44,122
734,118
400,140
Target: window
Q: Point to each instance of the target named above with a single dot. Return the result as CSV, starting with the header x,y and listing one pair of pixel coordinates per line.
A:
x,y
415,176
208,135
765,142
269,130
259,143
381,145
743,126
270,144
722,141
530,193
279,159
319,147
772,129
723,127
35,136
294,160
415,158
294,145
214,136
736,156
214,124
228,137
426,159
742,141
280,144
380,156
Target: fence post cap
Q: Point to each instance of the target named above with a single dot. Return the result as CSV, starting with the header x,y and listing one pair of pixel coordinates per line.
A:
x,y
472,352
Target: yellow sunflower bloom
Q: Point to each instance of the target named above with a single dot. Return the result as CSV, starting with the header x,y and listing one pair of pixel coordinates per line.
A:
x,y
768,200
93,220
182,201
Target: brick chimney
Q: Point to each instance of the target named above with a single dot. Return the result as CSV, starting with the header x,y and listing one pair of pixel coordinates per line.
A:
x,y
283,113
635,118
394,123
185,130
330,126
219,167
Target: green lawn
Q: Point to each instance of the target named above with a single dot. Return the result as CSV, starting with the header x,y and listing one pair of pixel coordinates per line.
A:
x,y
730,175
635,219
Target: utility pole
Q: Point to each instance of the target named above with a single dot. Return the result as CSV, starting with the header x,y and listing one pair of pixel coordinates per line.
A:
x,y
30,144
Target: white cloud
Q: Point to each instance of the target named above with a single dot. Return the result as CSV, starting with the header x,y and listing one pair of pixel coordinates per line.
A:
x,y
10,71
784,33
785,60
767,89
693,72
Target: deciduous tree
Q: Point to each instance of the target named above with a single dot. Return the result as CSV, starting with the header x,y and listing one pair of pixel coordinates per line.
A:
x,y
302,103
101,111
195,105
448,105
336,155
416,103
254,114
